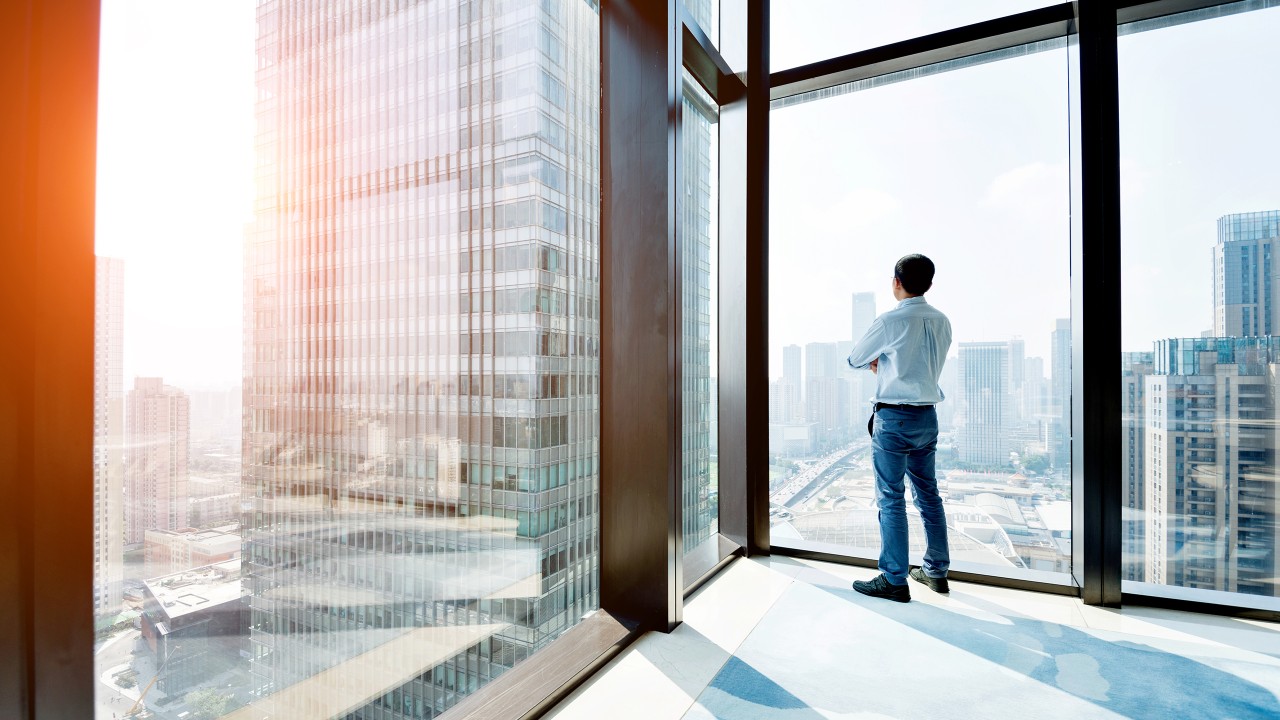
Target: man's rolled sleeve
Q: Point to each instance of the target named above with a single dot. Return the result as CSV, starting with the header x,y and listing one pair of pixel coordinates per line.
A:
x,y
869,347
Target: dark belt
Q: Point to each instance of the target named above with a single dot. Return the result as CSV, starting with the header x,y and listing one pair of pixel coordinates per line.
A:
x,y
878,406
900,407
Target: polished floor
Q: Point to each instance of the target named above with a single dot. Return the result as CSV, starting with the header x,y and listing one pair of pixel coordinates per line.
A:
x,y
785,638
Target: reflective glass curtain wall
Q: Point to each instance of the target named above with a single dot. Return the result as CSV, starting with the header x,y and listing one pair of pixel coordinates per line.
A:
x,y
421,342
698,232
698,168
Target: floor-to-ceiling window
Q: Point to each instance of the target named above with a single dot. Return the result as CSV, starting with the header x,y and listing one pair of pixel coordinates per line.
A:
x,y
348,352
969,163
1201,223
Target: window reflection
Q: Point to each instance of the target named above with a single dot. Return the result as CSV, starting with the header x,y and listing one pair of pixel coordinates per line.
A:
x,y
699,172
401,505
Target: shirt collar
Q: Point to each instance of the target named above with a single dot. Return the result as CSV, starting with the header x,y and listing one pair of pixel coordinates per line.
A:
x,y
912,301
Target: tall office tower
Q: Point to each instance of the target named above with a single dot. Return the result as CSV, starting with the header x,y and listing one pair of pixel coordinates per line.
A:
x,y
984,422
784,401
853,402
108,436
863,382
1017,368
1134,369
1060,397
159,439
421,343
826,393
699,112
1210,483
1035,393
820,360
1244,278
1017,361
791,372
864,313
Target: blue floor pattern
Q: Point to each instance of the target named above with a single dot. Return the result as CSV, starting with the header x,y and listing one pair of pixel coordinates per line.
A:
x,y
824,651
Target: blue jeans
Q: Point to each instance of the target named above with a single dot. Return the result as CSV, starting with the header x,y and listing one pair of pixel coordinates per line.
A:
x,y
904,443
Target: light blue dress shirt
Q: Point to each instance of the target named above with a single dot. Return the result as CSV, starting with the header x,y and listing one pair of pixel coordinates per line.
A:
x,y
911,342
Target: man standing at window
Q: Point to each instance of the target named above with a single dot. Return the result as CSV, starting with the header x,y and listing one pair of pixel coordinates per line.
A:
x,y
906,348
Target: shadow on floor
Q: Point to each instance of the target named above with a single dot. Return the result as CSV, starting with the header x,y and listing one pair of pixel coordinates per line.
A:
x,y
1123,676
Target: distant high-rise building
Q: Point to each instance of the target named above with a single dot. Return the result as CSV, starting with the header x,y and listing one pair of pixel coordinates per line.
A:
x,y
1035,389
1060,397
853,402
862,382
791,401
1135,367
793,367
784,402
864,313
826,400
422,338
1210,458
820,360
108,436
983,375
1017,368
1244,275
159,440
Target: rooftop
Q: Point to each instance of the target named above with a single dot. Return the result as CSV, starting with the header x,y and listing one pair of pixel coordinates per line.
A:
x,y
197,589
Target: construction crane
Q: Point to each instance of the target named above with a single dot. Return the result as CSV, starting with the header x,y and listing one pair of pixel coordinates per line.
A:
x,y
137,705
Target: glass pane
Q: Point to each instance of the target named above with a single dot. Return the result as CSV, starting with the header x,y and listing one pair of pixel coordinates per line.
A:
x,y
972,168
806,31
348,426
1201,213
699,246
707,14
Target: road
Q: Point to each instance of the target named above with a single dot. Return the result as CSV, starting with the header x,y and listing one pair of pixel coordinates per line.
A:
x,y
814,478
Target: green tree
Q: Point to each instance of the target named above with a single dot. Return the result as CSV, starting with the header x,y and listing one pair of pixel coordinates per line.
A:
x,y
207,704
1036,463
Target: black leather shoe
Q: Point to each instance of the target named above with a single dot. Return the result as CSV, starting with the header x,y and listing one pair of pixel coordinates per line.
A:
x,y
881,587
938,585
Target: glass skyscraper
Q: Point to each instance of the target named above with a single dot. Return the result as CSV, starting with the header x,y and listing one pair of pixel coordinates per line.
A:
x,y
697,152
108,436
422,338
1243,275
984,397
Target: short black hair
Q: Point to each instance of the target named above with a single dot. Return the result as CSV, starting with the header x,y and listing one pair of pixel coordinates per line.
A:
x,y
915,272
